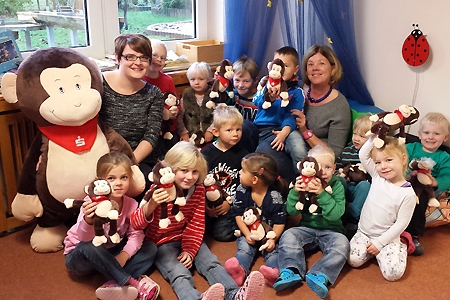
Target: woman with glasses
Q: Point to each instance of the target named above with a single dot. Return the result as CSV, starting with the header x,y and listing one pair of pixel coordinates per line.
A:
x,y
130,105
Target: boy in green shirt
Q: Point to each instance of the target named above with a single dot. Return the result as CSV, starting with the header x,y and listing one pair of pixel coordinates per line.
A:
x,y
322,229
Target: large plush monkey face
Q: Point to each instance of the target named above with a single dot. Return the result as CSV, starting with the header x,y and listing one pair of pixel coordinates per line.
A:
x,y
162,174
308,166
226,69
56,86
276,68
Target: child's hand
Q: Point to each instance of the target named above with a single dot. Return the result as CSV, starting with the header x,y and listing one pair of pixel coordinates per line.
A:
x,y
185,259
211,212
370,248
299,185
280,137
88,209
315,186
184,137
223,208
271,245
249,240
160,196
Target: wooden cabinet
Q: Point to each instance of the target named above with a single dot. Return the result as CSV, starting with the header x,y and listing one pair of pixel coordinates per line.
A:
x,y
16,135
180,80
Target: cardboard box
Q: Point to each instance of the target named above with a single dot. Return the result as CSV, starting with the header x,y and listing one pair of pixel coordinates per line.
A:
x,y
209,51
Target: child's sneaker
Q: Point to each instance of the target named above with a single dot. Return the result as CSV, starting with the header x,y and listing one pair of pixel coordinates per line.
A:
x,y
252,288
147,288
419,248
111,290
215,292
318,283
270,274
235,270
287,278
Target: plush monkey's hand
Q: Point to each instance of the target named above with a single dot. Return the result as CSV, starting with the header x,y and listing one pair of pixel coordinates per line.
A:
x,y
27,207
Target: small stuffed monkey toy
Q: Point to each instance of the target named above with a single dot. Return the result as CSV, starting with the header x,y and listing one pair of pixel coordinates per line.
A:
x,y
163,176
260,231
215,194
171,107
309,169
420,181
222,88
386,122
354,173
106,211
274,81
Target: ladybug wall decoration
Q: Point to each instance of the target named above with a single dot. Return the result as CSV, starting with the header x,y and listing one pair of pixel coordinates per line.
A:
x,y
415,49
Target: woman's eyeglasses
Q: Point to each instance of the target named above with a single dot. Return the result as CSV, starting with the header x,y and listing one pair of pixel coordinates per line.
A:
x,y
132,57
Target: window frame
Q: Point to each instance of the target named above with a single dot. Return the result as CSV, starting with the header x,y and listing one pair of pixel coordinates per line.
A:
x,y
104,14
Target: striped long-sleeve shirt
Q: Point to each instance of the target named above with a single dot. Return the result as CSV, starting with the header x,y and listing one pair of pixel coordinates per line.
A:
x,y
190,230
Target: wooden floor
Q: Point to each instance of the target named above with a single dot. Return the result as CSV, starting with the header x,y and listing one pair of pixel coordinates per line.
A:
x,y
25,274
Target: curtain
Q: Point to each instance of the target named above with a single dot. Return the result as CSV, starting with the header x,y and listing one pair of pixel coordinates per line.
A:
x,y
248,26
336,17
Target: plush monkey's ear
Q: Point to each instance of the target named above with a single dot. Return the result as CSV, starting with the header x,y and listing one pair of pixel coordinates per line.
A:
x,y
86,189
150,177
9,83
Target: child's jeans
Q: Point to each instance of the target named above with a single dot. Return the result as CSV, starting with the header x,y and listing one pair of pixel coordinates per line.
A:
x,y
294,146
296,240
355,194
222,228
180,278
86,258
246,254
391,259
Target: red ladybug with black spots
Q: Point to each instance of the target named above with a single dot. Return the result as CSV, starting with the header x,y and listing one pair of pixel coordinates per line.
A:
x,y
415,49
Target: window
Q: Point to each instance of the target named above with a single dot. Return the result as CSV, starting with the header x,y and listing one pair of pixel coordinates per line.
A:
x,y
159,19
101,19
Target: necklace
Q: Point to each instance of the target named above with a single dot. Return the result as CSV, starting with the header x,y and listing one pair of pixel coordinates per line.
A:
x,y
311,99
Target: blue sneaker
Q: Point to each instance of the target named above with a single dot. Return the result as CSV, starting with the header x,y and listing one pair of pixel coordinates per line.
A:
x,y
318,283
286,279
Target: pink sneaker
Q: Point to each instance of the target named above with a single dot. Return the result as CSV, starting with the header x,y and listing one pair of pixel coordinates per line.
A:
x,y
147,288
252,288
111,290
271,274
215,292
235,270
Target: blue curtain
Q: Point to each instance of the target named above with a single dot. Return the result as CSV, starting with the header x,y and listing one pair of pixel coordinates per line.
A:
x,y
336,17
248,26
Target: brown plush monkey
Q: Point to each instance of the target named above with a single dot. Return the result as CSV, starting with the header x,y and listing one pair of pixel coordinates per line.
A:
x,y
106,211
169,124
274,80
260,231
386,122
420,181
162,176
60,90
222,88
309,169
215,194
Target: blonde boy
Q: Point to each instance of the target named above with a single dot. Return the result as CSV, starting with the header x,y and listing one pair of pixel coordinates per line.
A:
x,y
433,132
224,160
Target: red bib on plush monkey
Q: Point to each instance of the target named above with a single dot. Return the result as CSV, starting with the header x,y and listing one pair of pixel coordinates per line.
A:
x,y
274,81
386,122
309,169
60,90
222,88
162,176
106,211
